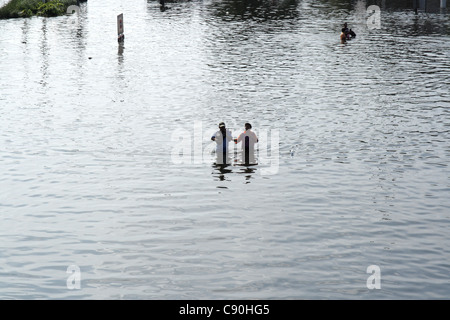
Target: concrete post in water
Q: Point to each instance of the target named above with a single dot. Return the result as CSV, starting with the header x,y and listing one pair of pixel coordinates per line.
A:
x,y
443,4
120,35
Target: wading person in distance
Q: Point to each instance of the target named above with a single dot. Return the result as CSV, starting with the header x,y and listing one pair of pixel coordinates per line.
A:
x,y
248,139
349,33
343,36
222,138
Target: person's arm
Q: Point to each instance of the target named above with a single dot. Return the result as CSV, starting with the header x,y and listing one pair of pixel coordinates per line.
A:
x,y
229,136
255,138
213,138
239,139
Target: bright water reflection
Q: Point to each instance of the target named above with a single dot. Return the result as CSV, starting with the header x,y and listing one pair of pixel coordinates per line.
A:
x,y
88,176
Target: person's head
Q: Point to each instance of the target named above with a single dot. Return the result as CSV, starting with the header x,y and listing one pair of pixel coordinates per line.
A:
x,y
222,126
343,30
248,126
345,24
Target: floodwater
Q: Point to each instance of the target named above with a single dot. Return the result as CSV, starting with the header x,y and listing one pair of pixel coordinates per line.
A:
x,y
109,188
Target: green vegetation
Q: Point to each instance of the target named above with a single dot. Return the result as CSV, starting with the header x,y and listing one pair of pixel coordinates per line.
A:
x,y
28,8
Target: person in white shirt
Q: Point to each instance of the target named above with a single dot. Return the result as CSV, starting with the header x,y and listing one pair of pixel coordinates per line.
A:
x,y
222,138
248,139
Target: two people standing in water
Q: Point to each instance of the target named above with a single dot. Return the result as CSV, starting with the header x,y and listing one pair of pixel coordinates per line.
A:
x,y
224,136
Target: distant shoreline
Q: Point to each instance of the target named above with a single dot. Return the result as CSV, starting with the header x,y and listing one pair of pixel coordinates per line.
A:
x,y
29,8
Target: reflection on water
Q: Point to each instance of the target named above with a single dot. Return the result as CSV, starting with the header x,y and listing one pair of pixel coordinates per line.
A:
x,y
120,52
260,10
45,54
237,164
231,173
248,171
86,142
220,172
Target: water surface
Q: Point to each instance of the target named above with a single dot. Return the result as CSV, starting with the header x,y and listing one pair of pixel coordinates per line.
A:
x,y
89,128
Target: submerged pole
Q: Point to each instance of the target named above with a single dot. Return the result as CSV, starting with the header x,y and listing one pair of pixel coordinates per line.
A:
x,y
224,149
247,150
